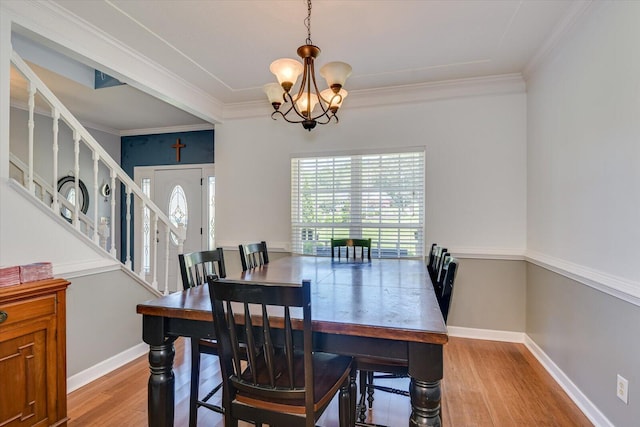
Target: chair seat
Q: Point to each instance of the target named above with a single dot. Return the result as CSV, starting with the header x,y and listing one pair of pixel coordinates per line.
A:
x,y
208,346
330,371
379,364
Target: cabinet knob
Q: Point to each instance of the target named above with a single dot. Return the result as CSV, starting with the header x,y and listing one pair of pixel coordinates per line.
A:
x,y
3,316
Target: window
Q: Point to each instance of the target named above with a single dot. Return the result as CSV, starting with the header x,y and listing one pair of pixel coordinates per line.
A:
x,y
178,211
378,196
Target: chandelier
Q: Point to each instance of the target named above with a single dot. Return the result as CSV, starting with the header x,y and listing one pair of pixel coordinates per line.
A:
x,y
299,107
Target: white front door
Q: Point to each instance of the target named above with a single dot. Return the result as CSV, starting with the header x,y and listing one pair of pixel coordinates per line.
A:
x,y
182,194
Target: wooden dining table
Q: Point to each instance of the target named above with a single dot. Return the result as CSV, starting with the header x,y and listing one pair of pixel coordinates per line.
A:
x,y
383,309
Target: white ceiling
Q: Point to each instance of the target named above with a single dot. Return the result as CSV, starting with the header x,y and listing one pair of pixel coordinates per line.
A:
x,y
224,47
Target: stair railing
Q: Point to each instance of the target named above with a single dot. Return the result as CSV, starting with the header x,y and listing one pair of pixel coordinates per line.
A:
x,y
161,229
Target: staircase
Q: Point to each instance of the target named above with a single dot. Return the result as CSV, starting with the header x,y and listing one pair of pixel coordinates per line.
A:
x,y
39,174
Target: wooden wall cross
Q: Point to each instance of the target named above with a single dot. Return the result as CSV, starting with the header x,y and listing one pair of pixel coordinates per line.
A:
x,y
178,146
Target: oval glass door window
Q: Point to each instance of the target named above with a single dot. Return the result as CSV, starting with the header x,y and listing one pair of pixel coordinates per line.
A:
x,y
178,209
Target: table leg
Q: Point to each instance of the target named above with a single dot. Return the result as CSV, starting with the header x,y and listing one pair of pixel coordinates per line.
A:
x,y
426,371
161,388
425,403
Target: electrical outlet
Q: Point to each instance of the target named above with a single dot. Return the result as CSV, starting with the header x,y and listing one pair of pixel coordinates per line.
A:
x,y
622,389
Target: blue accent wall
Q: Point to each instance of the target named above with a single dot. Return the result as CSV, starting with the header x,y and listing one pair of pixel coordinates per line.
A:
x,y
156,150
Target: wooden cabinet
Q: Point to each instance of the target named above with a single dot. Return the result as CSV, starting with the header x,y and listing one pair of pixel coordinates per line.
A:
x,y
33,364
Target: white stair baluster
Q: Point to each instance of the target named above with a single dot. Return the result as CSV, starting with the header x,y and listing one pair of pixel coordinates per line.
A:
x,y
56,117
154,237
112,221
182,234
76,172
127,262
142,239
31,124
166,259
96,237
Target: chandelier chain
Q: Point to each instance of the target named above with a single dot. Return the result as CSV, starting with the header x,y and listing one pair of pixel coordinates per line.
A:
x,y
307,22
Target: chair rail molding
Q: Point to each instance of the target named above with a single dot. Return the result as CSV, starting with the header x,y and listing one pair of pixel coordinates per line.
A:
x,y
624,289
512,254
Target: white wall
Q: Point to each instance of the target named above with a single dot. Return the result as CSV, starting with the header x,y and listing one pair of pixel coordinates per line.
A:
x,y
584,146
583,210
475,168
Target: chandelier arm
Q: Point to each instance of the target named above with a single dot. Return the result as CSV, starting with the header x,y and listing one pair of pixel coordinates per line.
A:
x,y
327,118
286,119
286,113
325,111
293,107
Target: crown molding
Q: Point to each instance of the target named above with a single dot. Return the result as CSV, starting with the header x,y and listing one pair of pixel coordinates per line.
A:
x,y
577,10
168,129
54,24
405,94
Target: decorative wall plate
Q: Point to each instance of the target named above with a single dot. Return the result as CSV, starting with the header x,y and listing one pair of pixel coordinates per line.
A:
x,y
105,190
67,188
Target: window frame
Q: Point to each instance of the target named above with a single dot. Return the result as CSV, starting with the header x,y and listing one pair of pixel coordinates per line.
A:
x,y
313,237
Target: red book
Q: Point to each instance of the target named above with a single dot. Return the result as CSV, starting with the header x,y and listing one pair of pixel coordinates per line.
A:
x,y
9,276
35,271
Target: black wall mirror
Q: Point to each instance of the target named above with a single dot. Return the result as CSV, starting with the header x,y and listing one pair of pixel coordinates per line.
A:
x,y
67,188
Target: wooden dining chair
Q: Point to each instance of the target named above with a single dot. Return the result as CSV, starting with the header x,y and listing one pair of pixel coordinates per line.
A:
x,y
253,255
194,269
363,244
283,382
389,370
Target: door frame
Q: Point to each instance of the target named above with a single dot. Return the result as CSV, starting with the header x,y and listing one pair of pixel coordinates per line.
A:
x,y
141,172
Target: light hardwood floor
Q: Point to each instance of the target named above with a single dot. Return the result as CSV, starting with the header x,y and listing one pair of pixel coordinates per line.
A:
x,y
486,383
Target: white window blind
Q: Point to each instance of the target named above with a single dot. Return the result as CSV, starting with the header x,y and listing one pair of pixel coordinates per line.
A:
x,y
377,196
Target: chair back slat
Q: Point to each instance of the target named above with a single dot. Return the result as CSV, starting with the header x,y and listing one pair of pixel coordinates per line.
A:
x,y
234,338
288,342
196,266
268,346
432,253
253,255
252,349
436,264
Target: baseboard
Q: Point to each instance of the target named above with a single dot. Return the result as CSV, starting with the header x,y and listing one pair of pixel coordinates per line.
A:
x,y
575,394
486,334
93,373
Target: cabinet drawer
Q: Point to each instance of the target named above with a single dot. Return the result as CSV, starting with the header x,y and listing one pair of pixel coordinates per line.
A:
x,y
29,309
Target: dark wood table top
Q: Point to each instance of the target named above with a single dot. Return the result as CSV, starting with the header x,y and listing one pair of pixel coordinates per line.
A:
x,y
388,298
